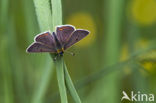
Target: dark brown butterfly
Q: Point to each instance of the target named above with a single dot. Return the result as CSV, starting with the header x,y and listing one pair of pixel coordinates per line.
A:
x,y
65,37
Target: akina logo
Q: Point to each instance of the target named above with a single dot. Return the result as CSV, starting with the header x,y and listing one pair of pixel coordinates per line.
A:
x,y
137,96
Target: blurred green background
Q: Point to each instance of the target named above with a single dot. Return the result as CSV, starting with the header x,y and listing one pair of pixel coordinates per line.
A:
x,y
118,55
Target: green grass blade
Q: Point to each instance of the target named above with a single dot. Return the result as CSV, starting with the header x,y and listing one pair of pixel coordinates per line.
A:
x,y
7,84
4,4
110,90
56,13
43,14
70,86
29,14
43,84
61,81
16,64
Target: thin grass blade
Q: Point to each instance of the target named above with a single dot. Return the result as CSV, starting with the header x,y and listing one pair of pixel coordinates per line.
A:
x,y
61,80
70,86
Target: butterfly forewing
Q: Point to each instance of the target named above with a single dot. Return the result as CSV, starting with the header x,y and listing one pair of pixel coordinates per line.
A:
x,y
64,33
46,38
40,47
44,42
75,37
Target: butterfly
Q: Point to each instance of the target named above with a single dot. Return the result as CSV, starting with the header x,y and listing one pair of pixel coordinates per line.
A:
x,y
57,42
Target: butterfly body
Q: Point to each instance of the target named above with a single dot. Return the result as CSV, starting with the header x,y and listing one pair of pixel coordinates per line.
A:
x,y
59,47
58,42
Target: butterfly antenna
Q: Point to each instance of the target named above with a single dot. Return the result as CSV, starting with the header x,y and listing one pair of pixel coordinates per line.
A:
x,y
73,54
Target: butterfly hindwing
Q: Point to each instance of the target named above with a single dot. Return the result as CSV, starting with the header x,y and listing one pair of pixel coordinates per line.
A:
x,y
40,47
64,33
75,37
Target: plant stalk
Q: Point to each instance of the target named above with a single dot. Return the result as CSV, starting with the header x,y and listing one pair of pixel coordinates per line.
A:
x,y
70,86
61,79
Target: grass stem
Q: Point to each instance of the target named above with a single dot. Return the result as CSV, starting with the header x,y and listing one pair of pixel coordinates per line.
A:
x,y
56,13
44,16
61,80
70,86
43,84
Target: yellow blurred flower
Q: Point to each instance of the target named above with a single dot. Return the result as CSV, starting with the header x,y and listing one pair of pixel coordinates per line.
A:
x,y
143,11
83,21
147,65
147,60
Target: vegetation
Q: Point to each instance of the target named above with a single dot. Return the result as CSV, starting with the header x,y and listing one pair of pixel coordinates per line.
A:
x,y
118,55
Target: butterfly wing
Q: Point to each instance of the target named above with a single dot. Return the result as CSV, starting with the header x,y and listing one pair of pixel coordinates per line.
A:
x,y
45,38
44,42
64,33
75,37
39,47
